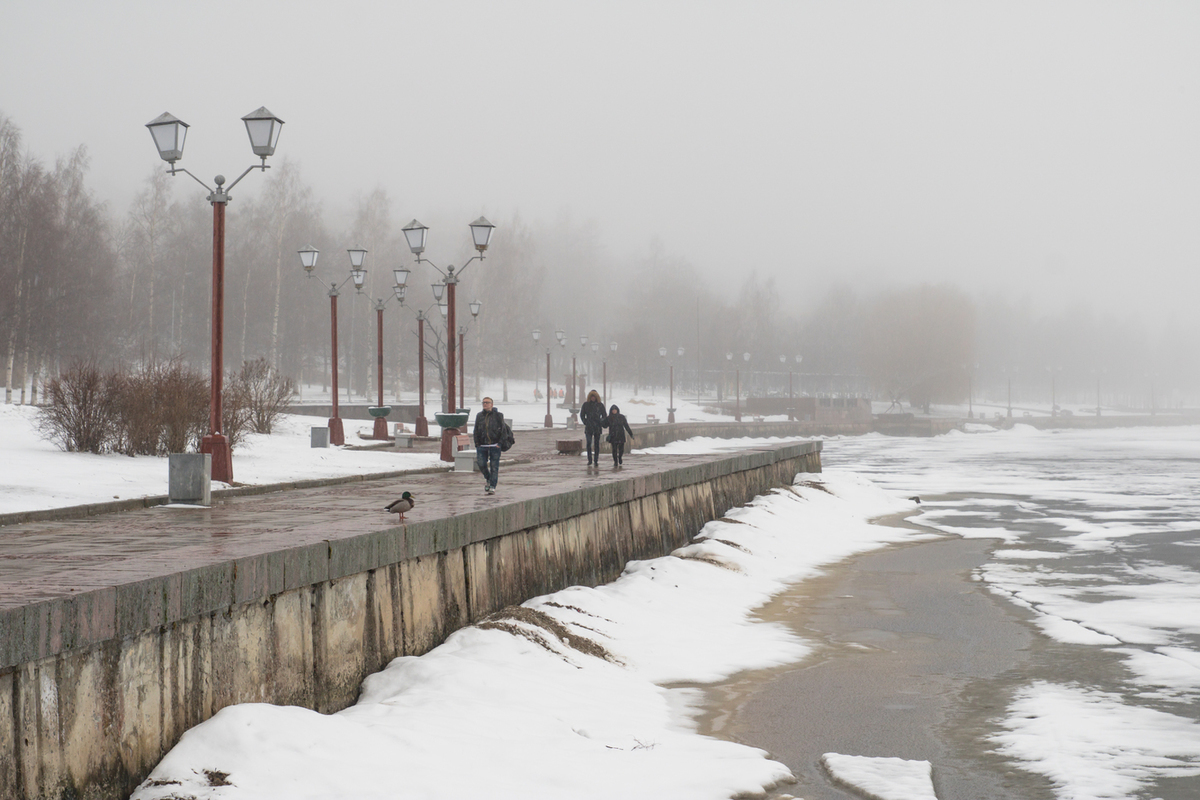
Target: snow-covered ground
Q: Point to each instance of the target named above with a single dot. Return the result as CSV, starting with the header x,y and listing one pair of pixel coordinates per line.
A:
x,y
566,699
35,474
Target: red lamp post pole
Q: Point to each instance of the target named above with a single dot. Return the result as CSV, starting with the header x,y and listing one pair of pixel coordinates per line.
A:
x,y
448,434
737,402
380,431
216,443
671,407
606,380
549,419
336,433
462,362
422,423
791,400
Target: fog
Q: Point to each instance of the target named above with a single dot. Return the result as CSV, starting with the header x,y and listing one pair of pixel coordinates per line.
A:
x,y
1042,149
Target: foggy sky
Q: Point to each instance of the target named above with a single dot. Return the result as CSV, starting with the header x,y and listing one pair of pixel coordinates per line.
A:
x,y
1034,147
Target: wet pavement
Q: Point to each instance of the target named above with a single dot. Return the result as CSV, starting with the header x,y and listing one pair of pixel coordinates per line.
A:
x,y
51,559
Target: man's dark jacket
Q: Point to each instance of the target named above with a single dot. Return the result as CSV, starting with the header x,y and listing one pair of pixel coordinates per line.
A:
x,y
489,427
592,415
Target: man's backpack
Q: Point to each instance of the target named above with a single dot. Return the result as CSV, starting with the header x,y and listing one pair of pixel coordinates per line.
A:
x,y
508,440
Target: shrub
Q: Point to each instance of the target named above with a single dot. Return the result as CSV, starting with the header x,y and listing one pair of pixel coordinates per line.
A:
x,y
81,411
258,394
163,409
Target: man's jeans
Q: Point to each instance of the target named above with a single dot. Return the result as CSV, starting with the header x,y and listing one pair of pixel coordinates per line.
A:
x,y
488,459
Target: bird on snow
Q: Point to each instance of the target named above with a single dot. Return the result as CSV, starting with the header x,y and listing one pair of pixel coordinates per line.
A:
x,y
405,503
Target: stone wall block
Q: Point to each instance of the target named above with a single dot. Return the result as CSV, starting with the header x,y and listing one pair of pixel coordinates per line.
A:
x,y
421,595
208,588
292,642
453,579
479,594
339,623
138,710
9,771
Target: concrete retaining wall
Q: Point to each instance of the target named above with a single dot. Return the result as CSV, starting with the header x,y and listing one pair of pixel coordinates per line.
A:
x,y
95,688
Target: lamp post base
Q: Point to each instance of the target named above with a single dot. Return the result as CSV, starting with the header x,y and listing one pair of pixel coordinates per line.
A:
x,y
380,431
549,421
448,444
217,445
671,415
337,434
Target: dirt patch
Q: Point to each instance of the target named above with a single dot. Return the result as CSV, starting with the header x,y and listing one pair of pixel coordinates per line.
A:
x,y
513,619
217,778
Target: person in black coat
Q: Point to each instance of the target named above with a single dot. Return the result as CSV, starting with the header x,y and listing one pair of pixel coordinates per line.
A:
x,y
592,415
617,426
490,432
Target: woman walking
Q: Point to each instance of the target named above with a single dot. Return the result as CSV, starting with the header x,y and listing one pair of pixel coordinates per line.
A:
x,y
617,426
592,416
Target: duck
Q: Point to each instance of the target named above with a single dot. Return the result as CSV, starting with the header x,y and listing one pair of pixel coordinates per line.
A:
x,y
405,503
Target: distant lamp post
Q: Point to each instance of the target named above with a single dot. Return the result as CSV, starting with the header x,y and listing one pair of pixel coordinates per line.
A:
x,y
791,397
380,411
169,133
416,235
737,410
308,260
549,421
745,358
475,307
612,346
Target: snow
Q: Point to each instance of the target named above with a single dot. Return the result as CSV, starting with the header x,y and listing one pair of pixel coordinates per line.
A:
x,y
882,778
535,713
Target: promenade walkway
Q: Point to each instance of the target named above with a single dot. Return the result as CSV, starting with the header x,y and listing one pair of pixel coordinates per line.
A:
x,y
44,560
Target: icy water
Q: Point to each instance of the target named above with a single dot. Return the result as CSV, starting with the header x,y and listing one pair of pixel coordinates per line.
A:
x,y
1051,652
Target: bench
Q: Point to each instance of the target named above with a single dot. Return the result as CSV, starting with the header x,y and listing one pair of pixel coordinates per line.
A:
x,y
464,454
569,447
651,419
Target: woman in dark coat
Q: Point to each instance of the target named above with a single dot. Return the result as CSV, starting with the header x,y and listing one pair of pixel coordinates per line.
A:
x,y
592,415
617,426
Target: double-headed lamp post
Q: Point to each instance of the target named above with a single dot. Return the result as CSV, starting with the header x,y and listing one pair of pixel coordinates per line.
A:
x,y
169,133
399,289
662,351
549,421
308,260
416,234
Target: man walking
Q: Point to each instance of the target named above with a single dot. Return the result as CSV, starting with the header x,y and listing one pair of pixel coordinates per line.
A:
x,y
592,414
490,433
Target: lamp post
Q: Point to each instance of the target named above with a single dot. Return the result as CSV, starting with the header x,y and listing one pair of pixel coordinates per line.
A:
x,y
380,412
737,412
746,358
662,351
475,307
613,347
562,342
592,363
169,133
574,377
537,334
415,234
791,410
308,260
